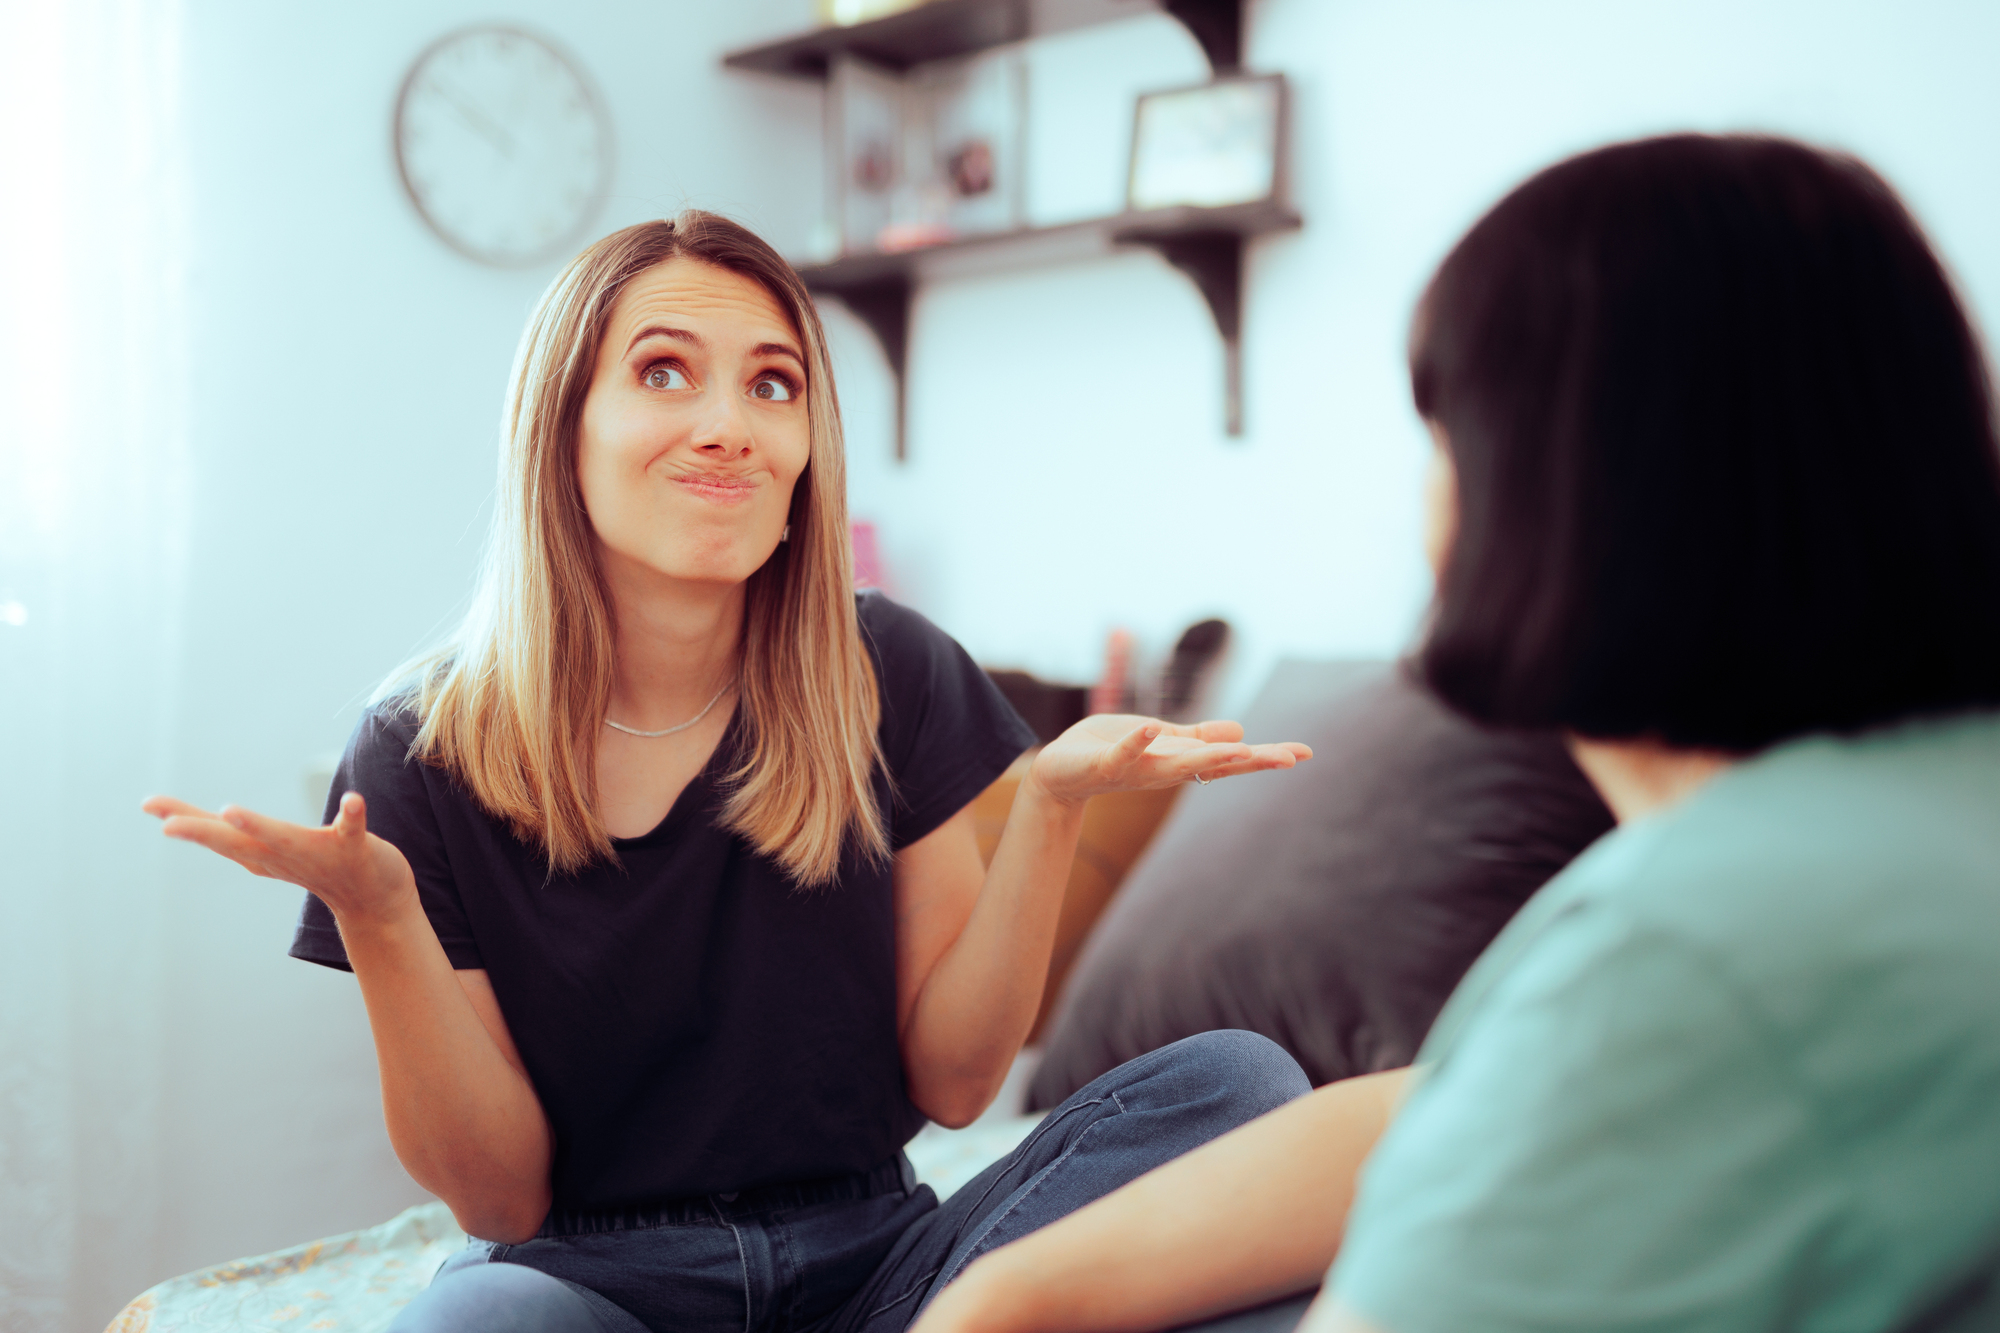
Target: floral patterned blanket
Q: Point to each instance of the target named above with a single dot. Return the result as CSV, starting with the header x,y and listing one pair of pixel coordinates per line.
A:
x,y
355,1283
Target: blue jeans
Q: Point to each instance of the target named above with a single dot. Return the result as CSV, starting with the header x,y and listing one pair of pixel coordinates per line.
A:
x,y
856,1256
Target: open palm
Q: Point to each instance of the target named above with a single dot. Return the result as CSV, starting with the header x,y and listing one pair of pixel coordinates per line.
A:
x,y
1123,752
351,869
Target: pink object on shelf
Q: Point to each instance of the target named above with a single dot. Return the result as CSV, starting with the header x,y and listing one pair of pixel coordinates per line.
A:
x,y
900,236
867,556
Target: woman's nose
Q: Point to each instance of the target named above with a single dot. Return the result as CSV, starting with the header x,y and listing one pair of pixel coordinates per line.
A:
x,y
724,429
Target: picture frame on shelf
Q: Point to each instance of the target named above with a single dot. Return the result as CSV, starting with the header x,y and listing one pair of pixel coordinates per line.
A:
x,y
1211,145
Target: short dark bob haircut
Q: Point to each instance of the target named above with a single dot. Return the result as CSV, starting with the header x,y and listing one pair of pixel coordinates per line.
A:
x,y
1725,454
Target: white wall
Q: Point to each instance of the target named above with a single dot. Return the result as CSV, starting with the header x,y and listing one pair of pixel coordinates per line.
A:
x,y
1067,467
1067,471
347,377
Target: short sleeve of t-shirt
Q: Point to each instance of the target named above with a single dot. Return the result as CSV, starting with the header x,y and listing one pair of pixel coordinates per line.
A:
x,y
947,732
1609,1142
398,790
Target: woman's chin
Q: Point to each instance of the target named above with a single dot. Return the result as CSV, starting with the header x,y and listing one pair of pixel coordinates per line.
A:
x,y
715,568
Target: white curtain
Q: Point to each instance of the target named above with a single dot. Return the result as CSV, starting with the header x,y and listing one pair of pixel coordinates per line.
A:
x,y
93,515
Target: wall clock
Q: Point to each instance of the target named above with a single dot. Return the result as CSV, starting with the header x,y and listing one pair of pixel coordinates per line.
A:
x,y
503,145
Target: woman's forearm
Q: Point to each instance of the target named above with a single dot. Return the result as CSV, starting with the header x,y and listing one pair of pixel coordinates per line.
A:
x,y
465,1121
981,998
1255,1215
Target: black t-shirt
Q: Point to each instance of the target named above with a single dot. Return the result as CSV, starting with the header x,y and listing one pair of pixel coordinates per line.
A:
x,y
692,1020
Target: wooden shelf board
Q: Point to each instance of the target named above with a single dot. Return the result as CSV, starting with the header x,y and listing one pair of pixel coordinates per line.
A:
x,y
1206,244
1038,245
939,30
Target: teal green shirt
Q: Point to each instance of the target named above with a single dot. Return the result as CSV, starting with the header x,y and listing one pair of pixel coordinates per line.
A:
x,y
1738,1067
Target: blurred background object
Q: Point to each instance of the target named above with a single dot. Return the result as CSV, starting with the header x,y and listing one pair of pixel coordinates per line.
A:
x,y
1187,677
860,11
503,145
1209,146
1116,690
868,571
252,398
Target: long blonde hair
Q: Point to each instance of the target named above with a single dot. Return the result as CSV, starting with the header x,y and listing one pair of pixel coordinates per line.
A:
x,y
513,703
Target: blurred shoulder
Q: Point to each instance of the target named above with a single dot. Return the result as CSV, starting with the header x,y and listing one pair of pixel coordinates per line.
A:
x,y
902,640
393,718
1829,821
385,737
1857,875
885,620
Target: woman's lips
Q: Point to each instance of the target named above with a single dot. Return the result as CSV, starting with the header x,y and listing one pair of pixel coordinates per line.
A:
x,y
718,489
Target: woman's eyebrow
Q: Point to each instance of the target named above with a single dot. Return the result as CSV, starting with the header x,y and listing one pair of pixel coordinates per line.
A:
x,y
695,340
688,336
778,349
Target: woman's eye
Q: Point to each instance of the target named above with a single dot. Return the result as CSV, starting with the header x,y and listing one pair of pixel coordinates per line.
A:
x,y
666,377
772,389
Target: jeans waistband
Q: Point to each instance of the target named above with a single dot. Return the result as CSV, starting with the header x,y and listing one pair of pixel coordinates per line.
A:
x,y
888,1178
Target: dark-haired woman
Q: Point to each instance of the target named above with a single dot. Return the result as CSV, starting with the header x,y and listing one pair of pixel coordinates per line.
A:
x,y
659,880
1717,493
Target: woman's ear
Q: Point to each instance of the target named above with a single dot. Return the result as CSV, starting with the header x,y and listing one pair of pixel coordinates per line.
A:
x,y
1440,502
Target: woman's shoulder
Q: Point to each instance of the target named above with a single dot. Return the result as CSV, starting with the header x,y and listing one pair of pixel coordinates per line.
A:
x,y
384,740
1832,871
390,719
891,629
911,654
944,723
1871,823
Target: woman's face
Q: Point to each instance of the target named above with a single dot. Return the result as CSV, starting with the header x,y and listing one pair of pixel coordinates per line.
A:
x,y
694,429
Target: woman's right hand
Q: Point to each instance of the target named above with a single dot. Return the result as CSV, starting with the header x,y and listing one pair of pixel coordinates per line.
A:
x,y
356,874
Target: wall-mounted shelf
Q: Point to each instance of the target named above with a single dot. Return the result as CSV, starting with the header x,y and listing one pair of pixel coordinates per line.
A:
x,y
943,29
1207,244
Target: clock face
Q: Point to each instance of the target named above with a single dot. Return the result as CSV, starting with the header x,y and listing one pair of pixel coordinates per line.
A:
x,y
502,144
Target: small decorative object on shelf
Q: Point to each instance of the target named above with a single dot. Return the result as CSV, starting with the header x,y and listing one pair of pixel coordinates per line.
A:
x,y
921,159
864,146
969,119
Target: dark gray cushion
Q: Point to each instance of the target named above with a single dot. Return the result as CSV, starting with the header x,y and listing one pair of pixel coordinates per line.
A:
x,y
1333,907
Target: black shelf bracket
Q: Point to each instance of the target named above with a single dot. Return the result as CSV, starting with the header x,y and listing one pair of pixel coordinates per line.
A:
x,y
1217,25
882,302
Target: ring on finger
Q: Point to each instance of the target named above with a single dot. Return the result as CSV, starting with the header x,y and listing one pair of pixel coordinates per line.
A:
x,y
1201,781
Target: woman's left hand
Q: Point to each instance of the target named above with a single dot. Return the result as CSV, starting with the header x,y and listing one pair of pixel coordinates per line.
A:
x,y
1121,752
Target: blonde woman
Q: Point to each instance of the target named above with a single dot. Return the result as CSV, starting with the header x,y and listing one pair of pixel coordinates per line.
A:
x,y
659,882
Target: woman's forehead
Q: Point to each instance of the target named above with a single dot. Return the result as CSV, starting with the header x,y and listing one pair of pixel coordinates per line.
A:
x,y
683,292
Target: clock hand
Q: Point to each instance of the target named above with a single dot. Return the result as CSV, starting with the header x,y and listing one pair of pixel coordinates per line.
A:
x,y
476,118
